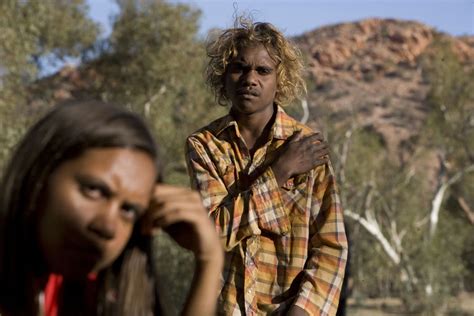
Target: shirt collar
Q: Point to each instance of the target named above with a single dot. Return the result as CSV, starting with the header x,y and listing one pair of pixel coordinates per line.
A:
x,y
226,122
283,127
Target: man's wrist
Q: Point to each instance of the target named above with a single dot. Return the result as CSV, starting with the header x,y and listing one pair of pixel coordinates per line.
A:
x,y
280,174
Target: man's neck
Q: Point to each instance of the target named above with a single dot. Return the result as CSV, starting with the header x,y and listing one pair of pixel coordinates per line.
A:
x,y
255,127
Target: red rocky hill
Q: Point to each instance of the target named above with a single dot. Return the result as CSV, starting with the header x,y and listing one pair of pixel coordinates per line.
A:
x,y
370,71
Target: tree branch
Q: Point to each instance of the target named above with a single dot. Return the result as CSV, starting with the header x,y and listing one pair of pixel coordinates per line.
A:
x,y
439,197
372,226
467,210
304,105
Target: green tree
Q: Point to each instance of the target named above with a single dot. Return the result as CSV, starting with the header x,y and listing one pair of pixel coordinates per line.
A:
x,y
153,63
450,133
34,33
409,236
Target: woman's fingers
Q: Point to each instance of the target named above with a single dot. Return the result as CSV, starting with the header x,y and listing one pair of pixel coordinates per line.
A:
x,y
167,211
166,190
180,212
170,213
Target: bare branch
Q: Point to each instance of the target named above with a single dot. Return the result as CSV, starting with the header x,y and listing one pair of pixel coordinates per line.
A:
x,y
147,104
439,196
304,105
467,210
344,153
371,225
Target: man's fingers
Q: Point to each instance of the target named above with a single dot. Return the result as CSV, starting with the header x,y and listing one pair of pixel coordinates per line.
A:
x,y
320,152
296,136
318,136
320,146
314,138
321,161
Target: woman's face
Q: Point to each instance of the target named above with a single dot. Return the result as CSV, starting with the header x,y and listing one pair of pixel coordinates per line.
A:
x,y
90,206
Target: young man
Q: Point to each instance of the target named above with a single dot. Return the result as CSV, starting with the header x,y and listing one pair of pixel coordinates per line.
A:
x,y
267,182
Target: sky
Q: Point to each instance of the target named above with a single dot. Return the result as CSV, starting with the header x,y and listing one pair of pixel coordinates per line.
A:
x,y
294,17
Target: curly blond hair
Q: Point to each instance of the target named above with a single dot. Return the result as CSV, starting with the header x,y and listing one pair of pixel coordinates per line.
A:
x,y
221,50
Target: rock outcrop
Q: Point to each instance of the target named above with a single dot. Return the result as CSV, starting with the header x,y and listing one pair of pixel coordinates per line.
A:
x,y
370,71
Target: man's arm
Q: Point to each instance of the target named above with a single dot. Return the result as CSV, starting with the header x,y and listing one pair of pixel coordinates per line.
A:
x,y
242,210
324,271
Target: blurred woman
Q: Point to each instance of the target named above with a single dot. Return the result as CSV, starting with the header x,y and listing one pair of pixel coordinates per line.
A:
x,y
79,201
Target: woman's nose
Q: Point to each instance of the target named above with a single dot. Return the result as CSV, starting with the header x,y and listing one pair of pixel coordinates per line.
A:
x,y
104,224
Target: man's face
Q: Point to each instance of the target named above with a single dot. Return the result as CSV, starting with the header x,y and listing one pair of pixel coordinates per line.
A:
x,y
251,80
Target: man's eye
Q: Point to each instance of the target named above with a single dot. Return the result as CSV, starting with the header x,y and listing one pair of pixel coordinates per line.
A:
x,y
236,68
264,70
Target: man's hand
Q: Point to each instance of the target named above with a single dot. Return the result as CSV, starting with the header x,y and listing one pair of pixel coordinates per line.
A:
x,y
299,155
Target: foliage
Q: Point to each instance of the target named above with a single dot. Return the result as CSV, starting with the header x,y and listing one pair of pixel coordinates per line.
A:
x,y
394,203
450,125
450,132
153,63
34,33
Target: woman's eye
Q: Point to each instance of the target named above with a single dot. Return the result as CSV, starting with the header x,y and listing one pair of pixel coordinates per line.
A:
x,y
130,212
92,191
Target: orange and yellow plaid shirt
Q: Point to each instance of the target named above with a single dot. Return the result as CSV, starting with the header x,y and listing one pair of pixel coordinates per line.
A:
x,y
284,245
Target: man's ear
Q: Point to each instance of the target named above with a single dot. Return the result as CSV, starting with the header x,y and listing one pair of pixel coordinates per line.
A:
x,y
223,79
224,89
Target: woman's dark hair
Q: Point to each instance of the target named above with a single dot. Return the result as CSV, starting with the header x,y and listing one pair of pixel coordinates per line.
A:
x,y
65,133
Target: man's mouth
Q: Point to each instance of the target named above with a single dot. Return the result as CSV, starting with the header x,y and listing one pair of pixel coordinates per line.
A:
x,y
247,92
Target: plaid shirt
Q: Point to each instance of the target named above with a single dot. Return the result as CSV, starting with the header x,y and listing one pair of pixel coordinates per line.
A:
x,y
284,245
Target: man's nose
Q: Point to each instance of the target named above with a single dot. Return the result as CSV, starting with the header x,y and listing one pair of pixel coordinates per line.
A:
x,y
250,77
104,224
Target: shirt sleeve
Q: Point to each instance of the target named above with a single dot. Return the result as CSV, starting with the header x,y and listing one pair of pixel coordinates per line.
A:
x,y
237,214
324,270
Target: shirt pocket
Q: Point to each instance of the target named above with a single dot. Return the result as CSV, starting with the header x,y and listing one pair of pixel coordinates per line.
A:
x,y
295,183
295,194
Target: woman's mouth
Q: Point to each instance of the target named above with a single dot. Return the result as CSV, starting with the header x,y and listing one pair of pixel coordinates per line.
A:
x,y
85,249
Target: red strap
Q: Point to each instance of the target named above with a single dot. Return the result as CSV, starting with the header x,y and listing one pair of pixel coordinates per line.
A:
x,y
51,294
54,287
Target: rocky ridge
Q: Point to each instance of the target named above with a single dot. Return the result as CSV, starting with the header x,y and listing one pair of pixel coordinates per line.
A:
x,y
370,72
367,71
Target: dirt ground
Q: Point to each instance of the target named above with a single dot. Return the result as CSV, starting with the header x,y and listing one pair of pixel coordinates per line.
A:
x,y
464,305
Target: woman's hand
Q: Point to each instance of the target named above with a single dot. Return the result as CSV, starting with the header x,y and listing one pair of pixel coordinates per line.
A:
x,y
180,212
